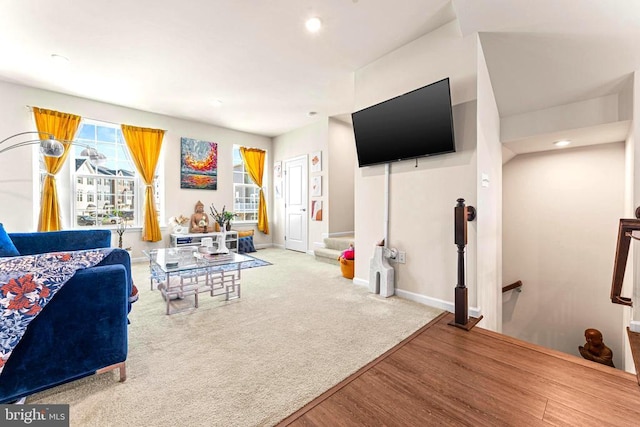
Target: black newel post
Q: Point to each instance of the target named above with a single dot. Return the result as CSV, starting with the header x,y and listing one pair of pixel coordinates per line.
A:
x,y
462,214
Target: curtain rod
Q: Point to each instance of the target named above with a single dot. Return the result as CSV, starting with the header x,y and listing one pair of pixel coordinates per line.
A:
x,y
30,108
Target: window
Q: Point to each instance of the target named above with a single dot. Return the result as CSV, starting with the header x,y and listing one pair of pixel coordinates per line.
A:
x,y
246,193
101,169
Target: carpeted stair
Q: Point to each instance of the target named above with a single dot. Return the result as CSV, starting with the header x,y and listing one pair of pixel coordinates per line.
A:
x,y
333,247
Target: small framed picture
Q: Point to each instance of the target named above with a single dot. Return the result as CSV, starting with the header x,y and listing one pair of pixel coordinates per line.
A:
x,y
316,161
316,186
316,210
277,170
277,179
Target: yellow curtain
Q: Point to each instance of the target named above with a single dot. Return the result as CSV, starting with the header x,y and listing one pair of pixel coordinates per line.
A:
x,y
254,163
63,127
144,145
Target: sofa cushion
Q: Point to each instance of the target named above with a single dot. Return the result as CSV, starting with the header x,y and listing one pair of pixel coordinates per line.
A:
x,y
58,241
245,244
245,233
7,248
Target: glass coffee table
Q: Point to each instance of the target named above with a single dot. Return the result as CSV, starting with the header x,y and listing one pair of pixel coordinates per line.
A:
x,y
184,271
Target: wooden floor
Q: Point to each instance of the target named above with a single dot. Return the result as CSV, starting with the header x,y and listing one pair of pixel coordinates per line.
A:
x,y
443,375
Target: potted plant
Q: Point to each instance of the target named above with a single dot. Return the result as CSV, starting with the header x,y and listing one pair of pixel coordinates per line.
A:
x,y
121,227
219,216
223,218
228,216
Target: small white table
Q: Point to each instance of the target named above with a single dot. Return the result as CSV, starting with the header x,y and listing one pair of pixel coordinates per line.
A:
x,y
183,271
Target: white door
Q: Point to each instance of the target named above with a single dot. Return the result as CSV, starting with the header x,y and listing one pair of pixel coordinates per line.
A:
x,y
295,204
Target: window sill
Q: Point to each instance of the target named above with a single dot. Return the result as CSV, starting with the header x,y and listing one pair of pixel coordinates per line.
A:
x,y
234,223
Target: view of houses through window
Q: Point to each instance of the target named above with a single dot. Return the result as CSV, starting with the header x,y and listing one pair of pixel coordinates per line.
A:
x,y
107,186
246,193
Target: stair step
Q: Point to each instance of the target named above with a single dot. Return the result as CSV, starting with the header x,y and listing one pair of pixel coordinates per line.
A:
x,y
327,255
338,243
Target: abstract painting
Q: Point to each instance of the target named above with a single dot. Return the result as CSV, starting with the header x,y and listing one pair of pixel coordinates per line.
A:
x,y
316,210
198,164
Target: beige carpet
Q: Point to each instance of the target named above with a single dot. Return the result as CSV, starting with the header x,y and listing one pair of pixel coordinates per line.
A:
x,y
299,328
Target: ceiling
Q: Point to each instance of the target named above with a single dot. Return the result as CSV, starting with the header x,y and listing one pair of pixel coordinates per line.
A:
x,y
175,58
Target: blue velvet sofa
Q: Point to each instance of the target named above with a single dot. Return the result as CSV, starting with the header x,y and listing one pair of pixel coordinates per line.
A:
x,y
83,329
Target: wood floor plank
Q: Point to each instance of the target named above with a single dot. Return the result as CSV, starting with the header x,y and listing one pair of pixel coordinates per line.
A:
x,y
459,376
442,325
540,364
582,397
634,343
558,414
447,376
479,408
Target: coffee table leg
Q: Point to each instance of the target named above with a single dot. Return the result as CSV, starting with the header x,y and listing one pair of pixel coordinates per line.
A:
x,y
239,279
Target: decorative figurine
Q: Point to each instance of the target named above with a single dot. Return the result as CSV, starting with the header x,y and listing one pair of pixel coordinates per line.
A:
x,y
595,349
200,220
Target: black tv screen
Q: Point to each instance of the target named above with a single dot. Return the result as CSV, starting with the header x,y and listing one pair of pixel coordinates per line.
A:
x,y
416,124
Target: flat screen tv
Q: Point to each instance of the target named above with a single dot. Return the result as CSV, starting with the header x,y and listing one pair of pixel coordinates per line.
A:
x,y
416,124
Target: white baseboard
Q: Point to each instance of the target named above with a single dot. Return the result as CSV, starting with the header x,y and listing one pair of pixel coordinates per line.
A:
x,y
268,245
634,326
311,253
360,282
319,244
423,299
435,302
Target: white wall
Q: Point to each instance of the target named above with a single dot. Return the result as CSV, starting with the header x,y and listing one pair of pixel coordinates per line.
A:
x,y
489,205
19,212
560,219
635,189
303,141
633,201
592,112
342,163
422,199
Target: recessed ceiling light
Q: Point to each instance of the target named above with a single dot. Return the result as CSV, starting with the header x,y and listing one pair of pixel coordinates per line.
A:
x,y
313,24
562,143
216,103
59,59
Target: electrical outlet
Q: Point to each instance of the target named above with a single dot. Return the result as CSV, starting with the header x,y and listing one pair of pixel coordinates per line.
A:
x,y
402,257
